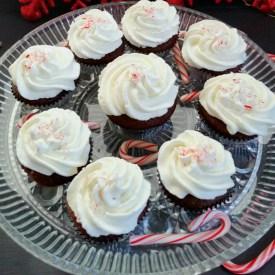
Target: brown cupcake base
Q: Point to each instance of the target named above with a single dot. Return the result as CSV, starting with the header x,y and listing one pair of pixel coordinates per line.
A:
x,y
52,180
40,101
160,48
220,126
130,123
82,231
105,59
232,70
192,203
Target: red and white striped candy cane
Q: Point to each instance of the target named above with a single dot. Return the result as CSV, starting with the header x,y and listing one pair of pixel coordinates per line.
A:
x,y
26,117
190,97
182,67
271,56
181,238
142,160
253,265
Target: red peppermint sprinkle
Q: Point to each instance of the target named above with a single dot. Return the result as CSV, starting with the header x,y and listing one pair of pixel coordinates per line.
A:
x,y
149,11
87,24
136,76
247,106
35,57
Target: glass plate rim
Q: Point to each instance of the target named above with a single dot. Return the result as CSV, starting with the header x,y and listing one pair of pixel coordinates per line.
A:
x,y
69,267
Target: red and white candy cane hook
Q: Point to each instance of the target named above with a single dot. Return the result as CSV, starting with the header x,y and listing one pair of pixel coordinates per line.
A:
x,y
253,265
190,97
181,238
26,117
271,56
142,160
182,67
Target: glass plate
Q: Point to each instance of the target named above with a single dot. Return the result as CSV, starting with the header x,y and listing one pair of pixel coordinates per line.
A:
x,y
36,217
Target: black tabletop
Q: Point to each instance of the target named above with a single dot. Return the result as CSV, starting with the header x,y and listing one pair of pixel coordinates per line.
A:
x,y
258,26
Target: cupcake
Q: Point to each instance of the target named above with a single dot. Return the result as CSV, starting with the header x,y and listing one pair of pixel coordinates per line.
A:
x,y
108,197
138,91
43,74
195,170
213,46
95,38
52,146
237,106
151,26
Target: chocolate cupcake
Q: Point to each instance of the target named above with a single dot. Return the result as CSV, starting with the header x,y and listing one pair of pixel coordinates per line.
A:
x,y
237,106
213,46
138,91
151,26
107,197
53,146
43,74
195,170
95,38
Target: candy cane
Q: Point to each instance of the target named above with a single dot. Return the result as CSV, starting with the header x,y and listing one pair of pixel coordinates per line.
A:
x,y
26,117
253,265
192,96
182,67
142,160
181,238
271,56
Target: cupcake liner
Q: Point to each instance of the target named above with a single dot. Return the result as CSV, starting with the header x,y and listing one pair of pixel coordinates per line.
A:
x,y
60,100
160,49
226,200
54,180
102,61
157,135
108,239
239,137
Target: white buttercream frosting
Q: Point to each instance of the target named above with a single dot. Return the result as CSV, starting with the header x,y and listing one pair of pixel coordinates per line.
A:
x,y
108,196
137,85
44,71
195,164
149,24
94,34
54,141
212,45
243,103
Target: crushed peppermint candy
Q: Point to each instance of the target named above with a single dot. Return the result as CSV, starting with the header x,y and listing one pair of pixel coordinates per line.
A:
x,y
150,11
37,57
248,107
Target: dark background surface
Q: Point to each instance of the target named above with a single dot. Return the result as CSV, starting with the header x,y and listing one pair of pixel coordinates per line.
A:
x,y
259,27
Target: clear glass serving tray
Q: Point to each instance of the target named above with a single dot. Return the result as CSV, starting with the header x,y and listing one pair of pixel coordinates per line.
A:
x,y
36,217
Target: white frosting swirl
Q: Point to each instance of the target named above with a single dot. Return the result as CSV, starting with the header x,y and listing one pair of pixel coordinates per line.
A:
x,y
108,196
212,45
94,34
243,103
138,85
149,24
54,141
195,164
44,71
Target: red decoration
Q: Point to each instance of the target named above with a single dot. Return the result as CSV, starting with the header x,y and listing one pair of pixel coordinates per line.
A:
x,y
33,10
